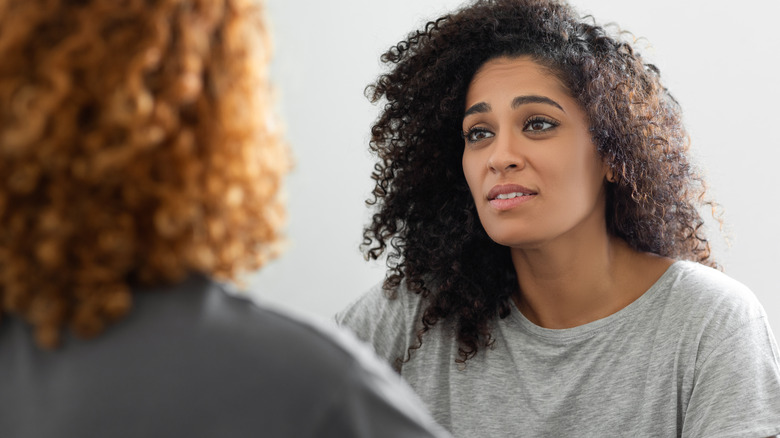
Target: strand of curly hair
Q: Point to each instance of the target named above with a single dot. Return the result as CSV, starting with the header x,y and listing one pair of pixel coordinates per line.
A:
x,y
425,220
134,149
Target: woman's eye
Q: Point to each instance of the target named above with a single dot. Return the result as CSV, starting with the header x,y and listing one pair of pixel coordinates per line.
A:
x,y
539,125
477,134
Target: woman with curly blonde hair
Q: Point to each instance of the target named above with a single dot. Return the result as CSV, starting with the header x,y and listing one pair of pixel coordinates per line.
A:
x,y
139,168
549,273
131,154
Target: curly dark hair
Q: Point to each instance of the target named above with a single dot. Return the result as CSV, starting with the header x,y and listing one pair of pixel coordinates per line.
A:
x,y
135,147
425,215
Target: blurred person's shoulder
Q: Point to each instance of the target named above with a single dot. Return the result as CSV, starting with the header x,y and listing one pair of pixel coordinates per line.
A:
x,y
204,359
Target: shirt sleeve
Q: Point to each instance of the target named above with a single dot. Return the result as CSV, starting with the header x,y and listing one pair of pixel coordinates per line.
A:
x,y
737,387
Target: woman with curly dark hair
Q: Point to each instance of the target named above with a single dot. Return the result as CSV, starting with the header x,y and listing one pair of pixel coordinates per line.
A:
x,y
549,274
140,169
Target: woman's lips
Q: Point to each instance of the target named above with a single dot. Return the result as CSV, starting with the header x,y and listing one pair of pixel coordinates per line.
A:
x,y
506,204
508,196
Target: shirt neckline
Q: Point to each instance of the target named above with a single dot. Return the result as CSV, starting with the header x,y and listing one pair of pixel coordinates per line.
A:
x,y
590,328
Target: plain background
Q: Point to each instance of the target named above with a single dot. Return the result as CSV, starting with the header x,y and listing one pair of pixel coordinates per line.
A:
x,y
719,59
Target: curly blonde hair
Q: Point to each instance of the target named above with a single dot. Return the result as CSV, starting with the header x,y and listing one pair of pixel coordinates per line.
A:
x,y
137,145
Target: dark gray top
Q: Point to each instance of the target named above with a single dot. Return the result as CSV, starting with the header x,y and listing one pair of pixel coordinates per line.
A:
x,y
192,361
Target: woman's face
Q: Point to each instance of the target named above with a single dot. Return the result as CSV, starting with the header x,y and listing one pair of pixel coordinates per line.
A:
x,y
529,161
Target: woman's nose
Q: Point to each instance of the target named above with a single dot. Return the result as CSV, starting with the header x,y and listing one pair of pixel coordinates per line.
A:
x,y
506,154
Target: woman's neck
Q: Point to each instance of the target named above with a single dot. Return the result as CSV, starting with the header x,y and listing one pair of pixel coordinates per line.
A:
x,y
564,286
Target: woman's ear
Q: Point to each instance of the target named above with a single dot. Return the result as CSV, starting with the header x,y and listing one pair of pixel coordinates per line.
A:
x,y
610,175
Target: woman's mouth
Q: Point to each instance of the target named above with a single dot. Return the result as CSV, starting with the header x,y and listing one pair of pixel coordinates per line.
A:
x,y
508,196
511,195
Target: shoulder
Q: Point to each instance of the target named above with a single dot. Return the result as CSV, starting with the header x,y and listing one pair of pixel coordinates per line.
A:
x,y
215,361
203,312
710,309
696,276
734,357
712,295
355,386
217,333
380,306
384,319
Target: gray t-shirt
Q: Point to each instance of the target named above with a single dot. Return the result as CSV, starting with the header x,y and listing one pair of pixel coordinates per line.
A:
x,y
692,357
192,361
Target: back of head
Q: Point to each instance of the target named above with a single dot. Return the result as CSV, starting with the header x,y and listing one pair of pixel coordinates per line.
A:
x,y
136,146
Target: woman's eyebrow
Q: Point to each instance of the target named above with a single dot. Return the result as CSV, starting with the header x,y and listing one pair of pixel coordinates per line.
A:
x,y
483,107
521,100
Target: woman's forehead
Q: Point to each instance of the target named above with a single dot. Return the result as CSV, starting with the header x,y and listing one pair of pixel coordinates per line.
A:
x,y
503,77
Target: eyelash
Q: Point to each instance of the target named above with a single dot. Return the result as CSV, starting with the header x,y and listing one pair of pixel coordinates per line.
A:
x,y
467,135
536,119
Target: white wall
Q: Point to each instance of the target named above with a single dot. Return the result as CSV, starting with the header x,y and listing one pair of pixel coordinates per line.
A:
x,y
718,58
